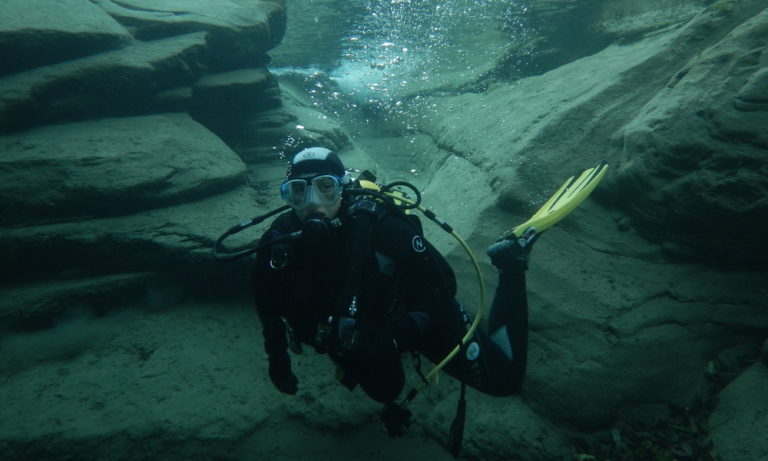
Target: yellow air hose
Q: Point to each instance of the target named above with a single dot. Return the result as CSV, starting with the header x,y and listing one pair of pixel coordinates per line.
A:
x,y
480,280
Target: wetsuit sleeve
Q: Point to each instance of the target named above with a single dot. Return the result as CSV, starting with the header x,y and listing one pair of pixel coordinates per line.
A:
x,y
268,286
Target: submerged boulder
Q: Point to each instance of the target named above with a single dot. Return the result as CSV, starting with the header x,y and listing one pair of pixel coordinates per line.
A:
x,y
694,167
740,420
174,240
43,305
240,32
111,167
618,304
127,65
39,32
115,83
130,377
630,20
235,92
495,428
614,326
118,195
179,384
223,102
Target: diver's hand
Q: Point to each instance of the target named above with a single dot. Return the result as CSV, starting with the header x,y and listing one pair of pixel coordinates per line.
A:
x,y
282,376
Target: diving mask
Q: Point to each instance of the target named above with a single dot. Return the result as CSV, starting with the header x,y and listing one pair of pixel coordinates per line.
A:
x,y
323,190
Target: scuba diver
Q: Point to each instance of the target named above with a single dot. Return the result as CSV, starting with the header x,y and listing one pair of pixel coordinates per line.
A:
x,y
363,285
348,272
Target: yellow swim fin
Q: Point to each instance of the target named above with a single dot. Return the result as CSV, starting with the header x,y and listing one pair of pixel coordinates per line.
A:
x,y
566,199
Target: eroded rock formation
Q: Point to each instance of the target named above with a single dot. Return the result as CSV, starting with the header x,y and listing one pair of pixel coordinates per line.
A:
x,y
133,135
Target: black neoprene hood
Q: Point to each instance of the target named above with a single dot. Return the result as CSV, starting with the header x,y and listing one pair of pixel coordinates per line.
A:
x,y
315,161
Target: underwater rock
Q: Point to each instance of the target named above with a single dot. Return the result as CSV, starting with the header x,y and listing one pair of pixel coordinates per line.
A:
x,y
237,91
115,83
278,133
567,30
617,300
764,353
178,99
177,43
643,339
614,325
41,305
39,32
497,429
223,102
754,95
118,195
180,384
239,33
531,134
134,194
630,20
694,159
111,167
136,377
676,173
174,240
739,423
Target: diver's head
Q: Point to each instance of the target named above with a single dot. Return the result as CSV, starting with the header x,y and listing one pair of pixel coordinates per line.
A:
x,y
315,181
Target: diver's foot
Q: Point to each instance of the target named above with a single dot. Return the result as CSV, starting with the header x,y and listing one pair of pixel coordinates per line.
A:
x,y
512,253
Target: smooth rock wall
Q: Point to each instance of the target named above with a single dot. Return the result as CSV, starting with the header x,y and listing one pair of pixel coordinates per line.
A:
x,y
106,168
661,269
111,167
694,164
36,32
629,309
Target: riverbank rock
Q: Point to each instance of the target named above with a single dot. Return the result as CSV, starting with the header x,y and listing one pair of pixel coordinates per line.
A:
x,y
545,128
495,429
114,83
740,420
36,32
37,306
119,196
198,389
108,71
101,356
226,102
239,32
694,163
111,167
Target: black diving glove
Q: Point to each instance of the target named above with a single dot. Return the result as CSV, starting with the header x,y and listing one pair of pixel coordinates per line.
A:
x,y
396,419
281,375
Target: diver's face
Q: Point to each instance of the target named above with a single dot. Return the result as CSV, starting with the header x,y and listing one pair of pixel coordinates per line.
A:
x,y
315,194
329,211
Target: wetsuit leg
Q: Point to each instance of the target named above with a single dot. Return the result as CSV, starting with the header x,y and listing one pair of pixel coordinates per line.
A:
x,y
508,322
492,362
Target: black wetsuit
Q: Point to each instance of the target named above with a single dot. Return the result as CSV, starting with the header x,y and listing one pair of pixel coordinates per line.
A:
x,y
402,285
